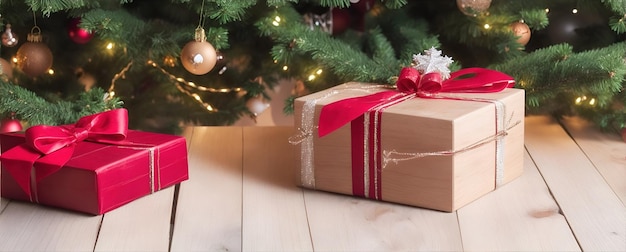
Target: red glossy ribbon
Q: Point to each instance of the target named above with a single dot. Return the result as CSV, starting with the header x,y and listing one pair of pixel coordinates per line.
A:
x,y
52,146
410,82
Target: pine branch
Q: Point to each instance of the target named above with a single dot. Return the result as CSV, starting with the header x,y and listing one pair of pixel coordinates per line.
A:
x,y
28,106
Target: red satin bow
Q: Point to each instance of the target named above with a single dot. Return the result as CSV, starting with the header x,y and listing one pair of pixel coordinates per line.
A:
x,y
52,146
410,81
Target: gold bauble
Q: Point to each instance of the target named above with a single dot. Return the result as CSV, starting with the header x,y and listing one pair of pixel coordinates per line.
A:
x,y
34,57
198,57
473,7
522,31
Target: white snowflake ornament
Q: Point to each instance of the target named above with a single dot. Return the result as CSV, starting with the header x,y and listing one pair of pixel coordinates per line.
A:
x,y
433,61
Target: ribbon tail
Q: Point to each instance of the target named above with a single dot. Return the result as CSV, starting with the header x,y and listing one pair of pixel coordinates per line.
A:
x,y
333,116
18,162
477,80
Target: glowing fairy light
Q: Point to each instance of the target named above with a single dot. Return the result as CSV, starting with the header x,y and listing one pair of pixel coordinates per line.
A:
x,y
51,71
110,46
285,68
276,21
487,26
319,71
592,102
580,99
574,11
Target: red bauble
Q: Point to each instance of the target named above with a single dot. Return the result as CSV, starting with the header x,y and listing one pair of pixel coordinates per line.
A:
x,y
341,20
10,125
77,34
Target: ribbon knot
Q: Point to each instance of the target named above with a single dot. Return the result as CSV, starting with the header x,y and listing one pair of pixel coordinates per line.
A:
x,y
80,134
53,146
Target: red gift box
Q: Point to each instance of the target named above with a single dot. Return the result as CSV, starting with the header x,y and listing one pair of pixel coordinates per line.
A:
x,y
100,177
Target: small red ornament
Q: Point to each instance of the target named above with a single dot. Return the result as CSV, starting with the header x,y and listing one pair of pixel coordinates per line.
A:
x,y
341,20
10,125
76,33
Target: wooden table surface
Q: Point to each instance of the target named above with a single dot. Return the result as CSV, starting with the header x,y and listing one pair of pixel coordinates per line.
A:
x,y
241,197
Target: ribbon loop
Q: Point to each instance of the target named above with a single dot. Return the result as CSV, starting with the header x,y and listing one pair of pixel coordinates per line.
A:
x,y
55,144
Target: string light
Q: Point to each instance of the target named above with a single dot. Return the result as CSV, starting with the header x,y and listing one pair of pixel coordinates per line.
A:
x,y
574,11
487,26
316,73
116,77
181,83
276,21
582,100
192,84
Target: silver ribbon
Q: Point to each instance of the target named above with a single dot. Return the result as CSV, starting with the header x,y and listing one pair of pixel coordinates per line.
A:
x,y
305,135
154,171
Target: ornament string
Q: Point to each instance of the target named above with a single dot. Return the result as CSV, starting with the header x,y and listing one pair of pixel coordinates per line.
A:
x,y
201,19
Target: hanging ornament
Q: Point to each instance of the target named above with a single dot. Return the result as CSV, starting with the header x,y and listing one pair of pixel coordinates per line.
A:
x,y
76,33
7,68
522,31
256,105
34,57
198,56
9,38
473,7
10,124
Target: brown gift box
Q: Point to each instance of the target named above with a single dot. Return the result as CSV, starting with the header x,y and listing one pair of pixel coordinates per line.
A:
x,y
458,124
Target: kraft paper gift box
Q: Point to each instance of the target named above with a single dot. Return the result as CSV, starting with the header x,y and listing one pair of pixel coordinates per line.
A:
x,y
438,153
99,176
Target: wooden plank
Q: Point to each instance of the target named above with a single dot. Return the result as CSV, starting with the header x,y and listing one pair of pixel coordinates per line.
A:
x,y
595,214
30,227
274,216
605,150
141,225
208,210
519,216
345,223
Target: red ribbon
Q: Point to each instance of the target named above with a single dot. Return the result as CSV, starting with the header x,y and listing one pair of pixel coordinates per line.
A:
x,y
410,82
52,146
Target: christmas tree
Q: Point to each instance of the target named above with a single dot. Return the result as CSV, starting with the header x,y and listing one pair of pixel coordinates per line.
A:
x,y
210,62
